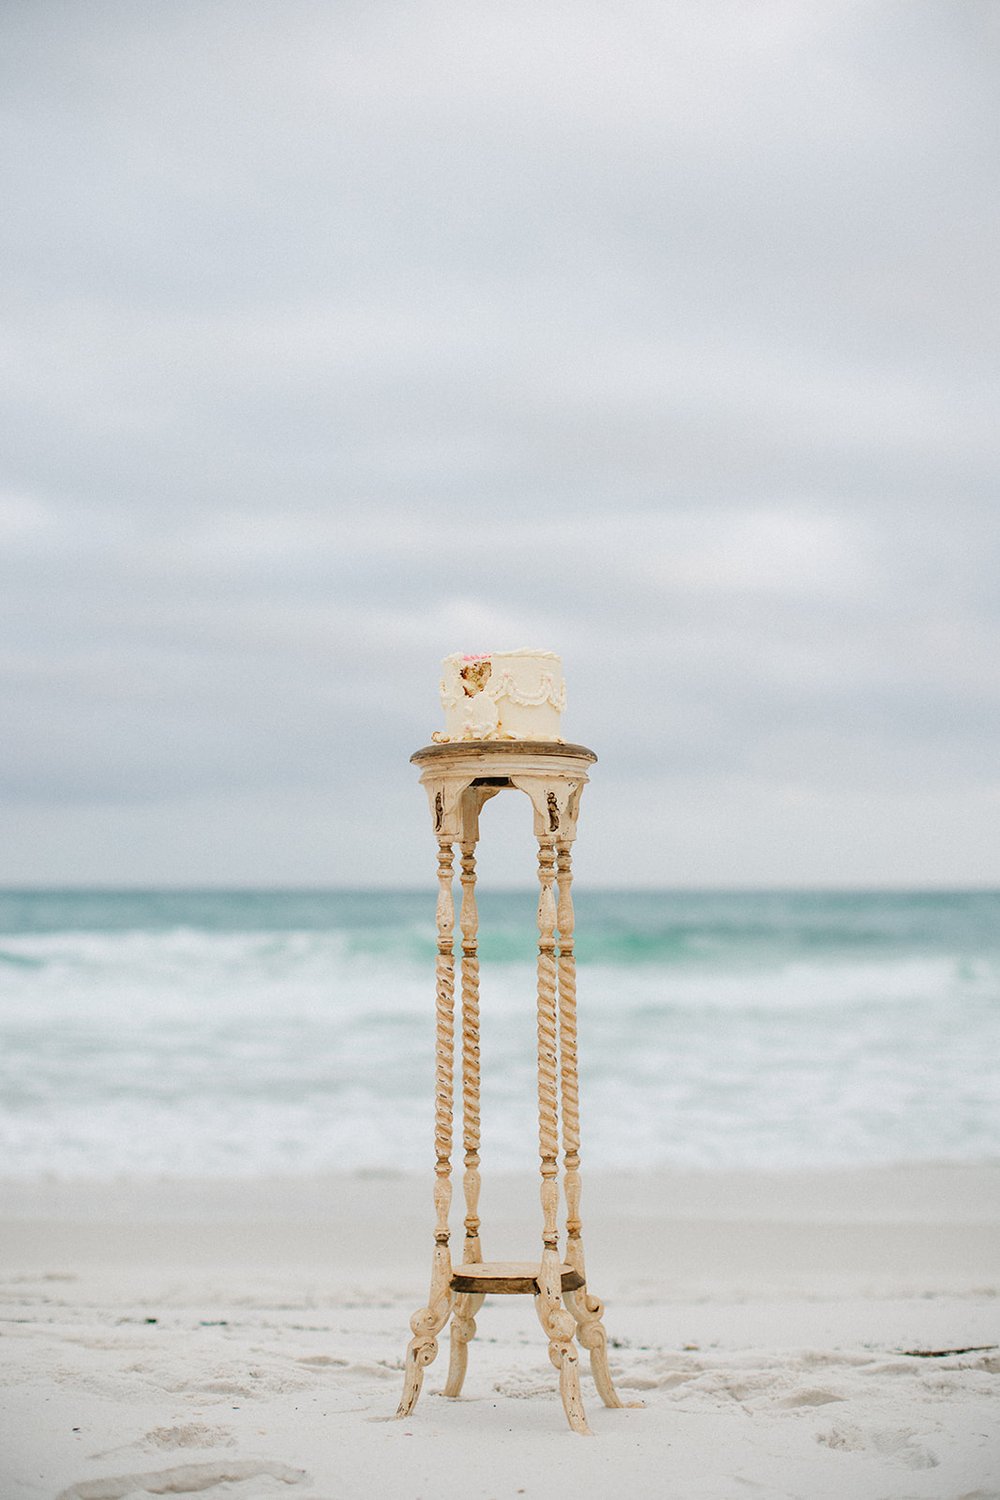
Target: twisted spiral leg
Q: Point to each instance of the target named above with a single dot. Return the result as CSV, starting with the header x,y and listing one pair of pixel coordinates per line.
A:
x,y
463,1326
428,1322
557,1323
548,1123
469,922
586,1309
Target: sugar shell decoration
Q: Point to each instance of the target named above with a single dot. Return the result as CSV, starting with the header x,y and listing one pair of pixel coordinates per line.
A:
x,y
502,695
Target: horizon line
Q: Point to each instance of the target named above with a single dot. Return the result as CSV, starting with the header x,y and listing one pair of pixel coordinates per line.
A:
x,y
805,888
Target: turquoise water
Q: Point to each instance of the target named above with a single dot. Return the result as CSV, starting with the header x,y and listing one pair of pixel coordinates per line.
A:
x,y
249,1032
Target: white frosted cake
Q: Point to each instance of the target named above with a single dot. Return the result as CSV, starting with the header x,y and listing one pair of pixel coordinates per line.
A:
x,y
502,695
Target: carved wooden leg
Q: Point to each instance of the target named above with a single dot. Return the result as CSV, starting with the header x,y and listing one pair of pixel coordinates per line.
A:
x,y
469,922
463,1331
558,1327
463,1326
428,1322
426,1325
587,1310
557,1323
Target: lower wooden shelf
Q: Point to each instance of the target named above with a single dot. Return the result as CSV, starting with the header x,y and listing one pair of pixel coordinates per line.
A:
x,y
509,1276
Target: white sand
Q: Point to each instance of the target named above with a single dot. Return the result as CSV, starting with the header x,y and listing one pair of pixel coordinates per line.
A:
x,y
246,1340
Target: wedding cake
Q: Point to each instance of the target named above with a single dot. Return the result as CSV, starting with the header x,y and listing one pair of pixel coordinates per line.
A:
x,y
502,695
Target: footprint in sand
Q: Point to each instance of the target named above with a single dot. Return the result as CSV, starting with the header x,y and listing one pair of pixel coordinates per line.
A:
x,y
187,1479
191,1435
186,1435
811,1397
889,1442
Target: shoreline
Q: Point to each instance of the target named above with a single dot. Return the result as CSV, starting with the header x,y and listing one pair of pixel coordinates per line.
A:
x,y
951,1185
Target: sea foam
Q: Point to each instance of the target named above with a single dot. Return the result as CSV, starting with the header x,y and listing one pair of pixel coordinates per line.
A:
x,y
201,1034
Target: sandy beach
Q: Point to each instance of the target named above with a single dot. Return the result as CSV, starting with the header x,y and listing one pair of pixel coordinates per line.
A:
x,y
796,1335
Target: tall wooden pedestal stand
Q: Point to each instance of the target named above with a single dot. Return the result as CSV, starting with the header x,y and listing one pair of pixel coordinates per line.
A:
x,y
459,778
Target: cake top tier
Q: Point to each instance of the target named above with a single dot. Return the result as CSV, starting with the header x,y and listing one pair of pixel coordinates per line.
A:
x,y
502,695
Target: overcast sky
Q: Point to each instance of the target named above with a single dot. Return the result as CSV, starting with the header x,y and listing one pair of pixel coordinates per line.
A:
x,y
340,336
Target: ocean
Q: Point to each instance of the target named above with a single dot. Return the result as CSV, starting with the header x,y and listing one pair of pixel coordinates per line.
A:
x,y
257,1032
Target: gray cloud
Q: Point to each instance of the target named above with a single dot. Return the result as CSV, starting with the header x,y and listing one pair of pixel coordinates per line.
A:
x,y
340,338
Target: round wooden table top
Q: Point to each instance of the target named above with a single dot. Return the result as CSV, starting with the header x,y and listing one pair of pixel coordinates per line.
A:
x,y
456,749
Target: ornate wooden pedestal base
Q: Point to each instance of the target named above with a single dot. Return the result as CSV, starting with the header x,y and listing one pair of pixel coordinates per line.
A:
x,y
583,1318
459,779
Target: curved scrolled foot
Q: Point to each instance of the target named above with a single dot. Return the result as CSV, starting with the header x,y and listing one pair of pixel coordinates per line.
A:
x,y
569,1388
463,1330
591,1334
420,1354
558,1326
422,1351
